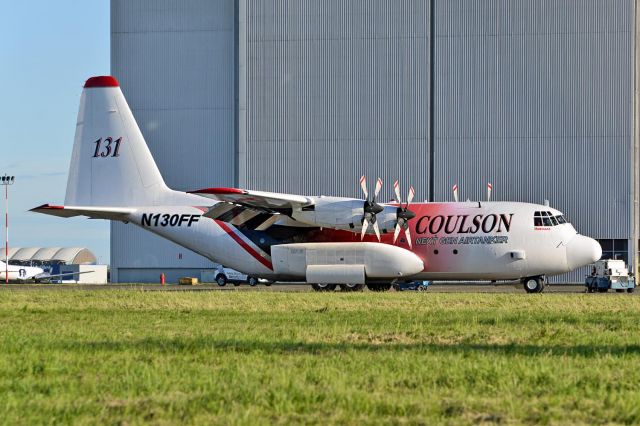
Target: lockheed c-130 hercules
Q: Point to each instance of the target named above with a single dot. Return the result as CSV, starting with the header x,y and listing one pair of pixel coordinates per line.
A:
x,y
325,241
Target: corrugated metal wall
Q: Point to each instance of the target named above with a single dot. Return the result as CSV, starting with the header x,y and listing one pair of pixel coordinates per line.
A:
x,y
334,89
537,98
534,96
174,60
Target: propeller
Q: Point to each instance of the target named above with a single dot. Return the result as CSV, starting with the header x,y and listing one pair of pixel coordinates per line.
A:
x,y
455,192
404,215
489,188
371,208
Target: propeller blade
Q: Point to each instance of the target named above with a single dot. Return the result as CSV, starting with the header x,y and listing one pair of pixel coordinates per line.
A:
x,y
378,187
376,229
407,235
365,225
489,188
396,232
455,192
363,185
396,189
412,192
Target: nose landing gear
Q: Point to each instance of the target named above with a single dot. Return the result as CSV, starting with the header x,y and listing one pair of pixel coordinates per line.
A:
x,y
533,284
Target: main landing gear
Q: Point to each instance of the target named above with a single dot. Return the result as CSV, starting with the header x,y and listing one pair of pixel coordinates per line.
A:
x,y
323,287
533,284
379,287
332,287
351,287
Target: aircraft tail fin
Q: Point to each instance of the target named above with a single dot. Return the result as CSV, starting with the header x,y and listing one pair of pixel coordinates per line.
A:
x,y
111,164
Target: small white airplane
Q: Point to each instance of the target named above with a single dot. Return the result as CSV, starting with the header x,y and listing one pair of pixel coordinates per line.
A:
x,y
18,273
21,274
322,240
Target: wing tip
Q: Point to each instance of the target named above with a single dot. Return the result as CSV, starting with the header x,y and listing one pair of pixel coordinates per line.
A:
x,y
218,191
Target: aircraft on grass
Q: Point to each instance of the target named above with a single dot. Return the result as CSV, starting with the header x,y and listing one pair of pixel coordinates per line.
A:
x,y
322,240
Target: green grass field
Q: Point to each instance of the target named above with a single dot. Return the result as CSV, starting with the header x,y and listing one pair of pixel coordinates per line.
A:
x,y
130,357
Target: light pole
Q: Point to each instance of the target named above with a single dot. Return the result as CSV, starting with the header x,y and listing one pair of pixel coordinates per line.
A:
x,y
6,181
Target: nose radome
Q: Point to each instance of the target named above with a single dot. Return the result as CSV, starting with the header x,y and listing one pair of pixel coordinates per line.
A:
x,y
582,251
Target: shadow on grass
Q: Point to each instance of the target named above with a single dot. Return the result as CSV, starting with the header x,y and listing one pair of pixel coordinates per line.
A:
x,y
191,345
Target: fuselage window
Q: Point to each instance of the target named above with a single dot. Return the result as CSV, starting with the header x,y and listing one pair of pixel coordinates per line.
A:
x,y
561,219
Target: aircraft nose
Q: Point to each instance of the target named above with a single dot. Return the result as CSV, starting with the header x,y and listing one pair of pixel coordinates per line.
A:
x,y
582,251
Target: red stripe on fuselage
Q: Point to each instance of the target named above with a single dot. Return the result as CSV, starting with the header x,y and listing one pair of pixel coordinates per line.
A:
x,y
244,245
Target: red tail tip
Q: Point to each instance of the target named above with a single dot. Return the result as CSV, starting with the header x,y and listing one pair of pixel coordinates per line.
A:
x,y
101,81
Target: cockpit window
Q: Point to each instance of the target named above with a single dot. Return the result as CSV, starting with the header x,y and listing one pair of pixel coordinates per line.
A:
x,y
547,219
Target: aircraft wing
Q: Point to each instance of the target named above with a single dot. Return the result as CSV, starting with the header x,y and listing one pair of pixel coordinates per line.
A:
x,y
265,201
109,213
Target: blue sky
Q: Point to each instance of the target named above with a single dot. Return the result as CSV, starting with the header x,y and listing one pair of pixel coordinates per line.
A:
x,y
47,50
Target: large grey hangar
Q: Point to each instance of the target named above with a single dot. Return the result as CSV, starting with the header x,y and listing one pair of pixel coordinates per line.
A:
x,y
304,96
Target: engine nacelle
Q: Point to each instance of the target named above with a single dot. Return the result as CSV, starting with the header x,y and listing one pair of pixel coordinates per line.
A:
x,y
343,213
344,263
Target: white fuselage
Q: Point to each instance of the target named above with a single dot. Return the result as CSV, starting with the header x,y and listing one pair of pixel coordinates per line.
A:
x,y
455,241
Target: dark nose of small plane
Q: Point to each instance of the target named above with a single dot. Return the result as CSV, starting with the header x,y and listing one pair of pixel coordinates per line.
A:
x,y
582,251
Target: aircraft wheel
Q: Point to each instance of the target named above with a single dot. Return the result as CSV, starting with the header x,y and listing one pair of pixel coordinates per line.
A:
x,y
323,287
631,290
252,281
533,285
351,287
379,287
221,280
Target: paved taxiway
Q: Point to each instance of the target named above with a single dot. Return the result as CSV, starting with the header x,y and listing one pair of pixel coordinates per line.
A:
x,y
434,288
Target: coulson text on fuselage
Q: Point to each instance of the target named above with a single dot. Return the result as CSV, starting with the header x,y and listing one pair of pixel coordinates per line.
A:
x,y
464,224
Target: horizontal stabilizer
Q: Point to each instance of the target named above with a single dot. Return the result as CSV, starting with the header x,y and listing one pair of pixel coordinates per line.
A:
x,y
109,213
